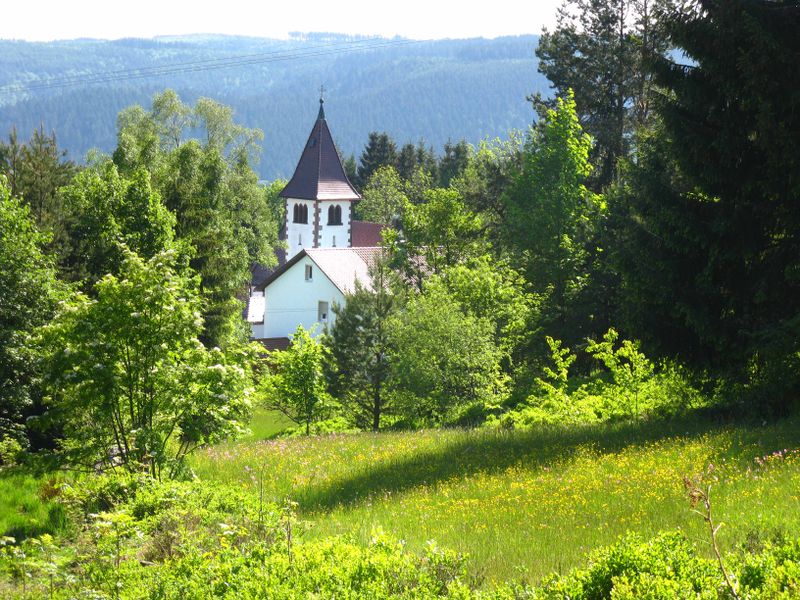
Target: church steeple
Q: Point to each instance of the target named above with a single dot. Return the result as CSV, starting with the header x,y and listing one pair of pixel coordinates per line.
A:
x,y
319,174
319,195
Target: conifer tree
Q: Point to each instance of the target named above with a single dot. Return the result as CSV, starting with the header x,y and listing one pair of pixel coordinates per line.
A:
x,y
359,340
380,151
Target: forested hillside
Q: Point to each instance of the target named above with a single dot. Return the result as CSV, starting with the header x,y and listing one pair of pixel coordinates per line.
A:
x,y
438,90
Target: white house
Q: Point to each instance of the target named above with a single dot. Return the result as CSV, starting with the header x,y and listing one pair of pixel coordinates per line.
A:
x,y
326,250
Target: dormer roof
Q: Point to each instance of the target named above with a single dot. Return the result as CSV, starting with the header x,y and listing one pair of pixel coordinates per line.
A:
x,y
319,174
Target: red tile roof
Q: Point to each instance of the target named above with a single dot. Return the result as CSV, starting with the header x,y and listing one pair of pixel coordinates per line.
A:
x,y
319,174
364,233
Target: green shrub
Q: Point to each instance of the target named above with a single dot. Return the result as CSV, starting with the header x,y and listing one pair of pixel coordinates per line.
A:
x,y
631,387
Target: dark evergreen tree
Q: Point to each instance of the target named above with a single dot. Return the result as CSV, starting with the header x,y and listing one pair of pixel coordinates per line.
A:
x,y
727,237
36,171
10,157
42,171
380,151
360,349
598,50
454,161
407,161
350,168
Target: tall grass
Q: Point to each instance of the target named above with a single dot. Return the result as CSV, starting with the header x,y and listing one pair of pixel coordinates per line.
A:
x,y
526,503
27,508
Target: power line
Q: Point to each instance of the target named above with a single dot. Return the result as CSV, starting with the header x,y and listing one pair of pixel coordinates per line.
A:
x,y
206,65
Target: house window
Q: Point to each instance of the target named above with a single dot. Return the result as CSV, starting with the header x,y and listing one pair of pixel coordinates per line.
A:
x,y
300,213
309,273
322,312
334,215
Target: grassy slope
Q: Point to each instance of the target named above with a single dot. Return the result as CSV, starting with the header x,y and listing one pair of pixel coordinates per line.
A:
x,y
525,504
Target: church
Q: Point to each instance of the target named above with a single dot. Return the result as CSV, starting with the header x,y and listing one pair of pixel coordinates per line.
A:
x,y
326,250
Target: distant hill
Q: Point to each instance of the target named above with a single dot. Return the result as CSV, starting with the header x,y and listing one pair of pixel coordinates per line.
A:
x,y
437,90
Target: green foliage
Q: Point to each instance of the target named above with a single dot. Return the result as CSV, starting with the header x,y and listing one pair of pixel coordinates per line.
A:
x,y
35,171
484,179
222,213
491,290
454,161
551,214
413,160
629,368
296,384
384,197
436,234
444,358
129,381
28,294
360,369
200,540
657,226
380,151
599,50
105,209
733,129
630,388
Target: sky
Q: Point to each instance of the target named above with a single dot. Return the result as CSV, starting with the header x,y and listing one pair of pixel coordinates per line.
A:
x,y
45,20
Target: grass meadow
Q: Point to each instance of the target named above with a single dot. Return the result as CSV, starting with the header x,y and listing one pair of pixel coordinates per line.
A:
x,y
523,504
519,504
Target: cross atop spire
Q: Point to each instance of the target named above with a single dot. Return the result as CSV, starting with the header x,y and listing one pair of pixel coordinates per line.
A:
x,y
321,102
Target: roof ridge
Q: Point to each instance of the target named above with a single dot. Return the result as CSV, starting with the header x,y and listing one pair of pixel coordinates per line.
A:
x,y
318,127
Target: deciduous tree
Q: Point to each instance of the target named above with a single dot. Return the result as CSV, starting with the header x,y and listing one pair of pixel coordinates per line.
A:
x,y
128,378
28,295
296,385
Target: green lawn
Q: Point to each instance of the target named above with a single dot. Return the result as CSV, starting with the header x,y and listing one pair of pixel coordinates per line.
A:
x,y
523,504
266,424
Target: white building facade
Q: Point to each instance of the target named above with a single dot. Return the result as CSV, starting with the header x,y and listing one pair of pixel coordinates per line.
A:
x,y
320,264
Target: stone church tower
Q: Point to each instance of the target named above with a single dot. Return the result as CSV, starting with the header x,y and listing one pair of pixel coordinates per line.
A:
x,y
319,197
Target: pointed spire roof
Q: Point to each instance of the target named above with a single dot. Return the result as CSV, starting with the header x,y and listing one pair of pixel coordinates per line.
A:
x,y
319,175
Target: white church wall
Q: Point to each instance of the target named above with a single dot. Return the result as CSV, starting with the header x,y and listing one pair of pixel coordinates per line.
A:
x,y
292,300
334,236
299,235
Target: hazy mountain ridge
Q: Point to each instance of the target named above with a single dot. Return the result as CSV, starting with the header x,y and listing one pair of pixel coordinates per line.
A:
x,y
437,90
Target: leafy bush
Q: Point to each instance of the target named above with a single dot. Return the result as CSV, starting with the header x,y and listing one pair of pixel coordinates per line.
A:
x,y
630,387
443,358
668,567
200,540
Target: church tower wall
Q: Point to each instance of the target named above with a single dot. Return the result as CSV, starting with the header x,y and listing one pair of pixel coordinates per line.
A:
x,y
332,234
299,234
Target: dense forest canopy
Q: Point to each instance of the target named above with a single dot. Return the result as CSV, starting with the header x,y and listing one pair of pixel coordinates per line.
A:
x,y
436,90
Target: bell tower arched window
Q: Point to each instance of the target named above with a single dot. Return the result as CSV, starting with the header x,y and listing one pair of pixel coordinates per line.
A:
x,y
334,215
300,213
